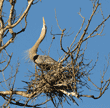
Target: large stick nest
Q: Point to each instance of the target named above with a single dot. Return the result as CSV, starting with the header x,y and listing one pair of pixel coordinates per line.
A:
x,y
61,81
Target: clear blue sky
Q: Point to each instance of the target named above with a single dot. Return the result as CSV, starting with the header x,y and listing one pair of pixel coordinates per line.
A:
x,y
67,14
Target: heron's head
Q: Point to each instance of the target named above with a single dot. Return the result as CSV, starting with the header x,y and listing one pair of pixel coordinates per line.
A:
x,y
30,55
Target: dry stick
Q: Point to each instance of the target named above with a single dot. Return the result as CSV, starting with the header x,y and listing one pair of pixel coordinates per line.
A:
x,y
79,29
96,29
7,63
101,93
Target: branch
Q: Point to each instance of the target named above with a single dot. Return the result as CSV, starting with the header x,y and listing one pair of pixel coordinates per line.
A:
x,y
21,93
1,23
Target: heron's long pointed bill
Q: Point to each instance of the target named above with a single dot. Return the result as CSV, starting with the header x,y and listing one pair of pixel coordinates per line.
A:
x,y
43,21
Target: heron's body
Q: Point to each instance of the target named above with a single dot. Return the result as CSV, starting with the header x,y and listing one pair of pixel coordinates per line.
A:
x,y
45,62
39,59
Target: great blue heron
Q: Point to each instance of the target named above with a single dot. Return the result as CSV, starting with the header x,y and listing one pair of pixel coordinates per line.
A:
x,y
43,61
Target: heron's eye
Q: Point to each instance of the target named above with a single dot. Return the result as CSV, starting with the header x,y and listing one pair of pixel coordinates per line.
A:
x,y
35,57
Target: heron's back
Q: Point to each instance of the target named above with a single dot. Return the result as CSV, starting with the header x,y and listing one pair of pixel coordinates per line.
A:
x,y
43,59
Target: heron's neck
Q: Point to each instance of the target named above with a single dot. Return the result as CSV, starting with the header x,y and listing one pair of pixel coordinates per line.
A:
x,y
36,45
42,36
